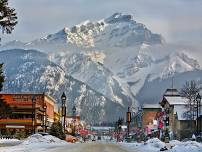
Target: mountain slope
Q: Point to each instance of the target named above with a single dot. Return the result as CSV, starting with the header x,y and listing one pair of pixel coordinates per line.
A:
x,y
31,70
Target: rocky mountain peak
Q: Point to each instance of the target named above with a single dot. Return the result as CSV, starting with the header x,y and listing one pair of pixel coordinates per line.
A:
x,y
119,17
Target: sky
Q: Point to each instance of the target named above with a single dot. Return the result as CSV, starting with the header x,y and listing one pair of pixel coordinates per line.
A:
x,y
178,21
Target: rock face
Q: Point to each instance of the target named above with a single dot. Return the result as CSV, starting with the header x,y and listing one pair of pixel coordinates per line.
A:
x,y
108,64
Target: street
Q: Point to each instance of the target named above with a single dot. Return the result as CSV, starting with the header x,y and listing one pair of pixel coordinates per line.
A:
x,y
91,147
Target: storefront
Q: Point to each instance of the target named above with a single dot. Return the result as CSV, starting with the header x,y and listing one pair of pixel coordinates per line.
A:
x,y
29,113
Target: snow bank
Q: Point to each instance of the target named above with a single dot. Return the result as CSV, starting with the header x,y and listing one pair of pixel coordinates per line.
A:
x,y
189,146
38,138
8,141
155,143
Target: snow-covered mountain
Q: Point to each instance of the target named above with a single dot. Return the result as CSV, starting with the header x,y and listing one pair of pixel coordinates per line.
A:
x,y
118,30
30,70
118,57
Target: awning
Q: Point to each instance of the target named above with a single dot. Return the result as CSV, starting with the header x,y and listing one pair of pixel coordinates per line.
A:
x,y
16,127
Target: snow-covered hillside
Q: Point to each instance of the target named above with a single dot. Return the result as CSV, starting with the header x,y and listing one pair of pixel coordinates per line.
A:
x,y
30,70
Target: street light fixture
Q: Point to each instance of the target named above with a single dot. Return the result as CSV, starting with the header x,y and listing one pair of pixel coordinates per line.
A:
x,y
198,100
45,118
33,114
128,119
74,119
63,98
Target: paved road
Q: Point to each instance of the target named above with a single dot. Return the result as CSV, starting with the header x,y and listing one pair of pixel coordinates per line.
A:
x,y
91,147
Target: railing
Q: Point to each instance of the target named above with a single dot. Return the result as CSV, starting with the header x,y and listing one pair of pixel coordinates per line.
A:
x,y
21,121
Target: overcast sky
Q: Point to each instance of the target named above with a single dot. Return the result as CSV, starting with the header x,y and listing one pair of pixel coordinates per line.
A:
x,y
179,21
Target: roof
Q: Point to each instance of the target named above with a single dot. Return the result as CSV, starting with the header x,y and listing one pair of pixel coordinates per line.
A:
x,y
171,92
153,106
176,100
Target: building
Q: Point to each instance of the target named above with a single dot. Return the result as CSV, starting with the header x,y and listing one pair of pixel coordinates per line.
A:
x,y
175,110
30,112
149,117
74,124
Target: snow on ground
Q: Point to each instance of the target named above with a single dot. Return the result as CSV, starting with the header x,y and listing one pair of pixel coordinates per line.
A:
x,y
41,143
33,143
9,141
154,145
189,146
37,139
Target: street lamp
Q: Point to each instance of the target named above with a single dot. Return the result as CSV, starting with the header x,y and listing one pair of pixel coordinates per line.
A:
x,y
119,123
198,100
33,114
128,119
74,119
44,118
63,98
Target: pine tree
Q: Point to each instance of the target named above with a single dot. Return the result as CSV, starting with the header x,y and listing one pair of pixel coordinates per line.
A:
x,y
56,130
1,77
8,18
5,109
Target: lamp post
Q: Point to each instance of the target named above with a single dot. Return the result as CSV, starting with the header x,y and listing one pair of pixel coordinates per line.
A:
x,y
198,100
44,118
119,123
63,98
33,114
128,119
74,119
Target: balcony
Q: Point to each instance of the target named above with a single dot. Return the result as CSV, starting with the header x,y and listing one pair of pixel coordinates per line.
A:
x,y
19,121
16,121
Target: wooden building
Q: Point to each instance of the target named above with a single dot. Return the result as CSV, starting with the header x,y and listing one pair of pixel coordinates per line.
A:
x,y
175,108
30,112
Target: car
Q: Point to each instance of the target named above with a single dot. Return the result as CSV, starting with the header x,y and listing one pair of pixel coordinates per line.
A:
x,y
72,139
43,133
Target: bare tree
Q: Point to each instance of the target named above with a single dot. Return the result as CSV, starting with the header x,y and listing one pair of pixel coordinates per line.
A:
x,y
190,90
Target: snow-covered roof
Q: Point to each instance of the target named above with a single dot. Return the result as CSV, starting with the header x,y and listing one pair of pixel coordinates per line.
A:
x,y
155,106
171,92
176,100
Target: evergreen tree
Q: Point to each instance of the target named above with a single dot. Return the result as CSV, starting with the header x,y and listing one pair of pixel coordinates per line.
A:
x,y
5,109
8,18
56,130
1,77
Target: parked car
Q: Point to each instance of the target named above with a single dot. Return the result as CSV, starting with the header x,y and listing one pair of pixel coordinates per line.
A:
x,y
43,133
72,139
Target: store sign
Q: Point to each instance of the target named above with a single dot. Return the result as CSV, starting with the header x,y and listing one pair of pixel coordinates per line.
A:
x,y
27,98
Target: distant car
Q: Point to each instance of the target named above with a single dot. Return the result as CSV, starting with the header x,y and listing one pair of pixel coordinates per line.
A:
x,y
43,133
72,139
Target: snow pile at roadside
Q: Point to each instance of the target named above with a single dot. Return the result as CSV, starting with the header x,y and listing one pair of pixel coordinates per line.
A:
x,y
155,143
152,145
189,146
38,138
8,141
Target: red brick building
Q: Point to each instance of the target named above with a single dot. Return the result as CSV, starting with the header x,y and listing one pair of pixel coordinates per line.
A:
x,y
30,112
149,116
